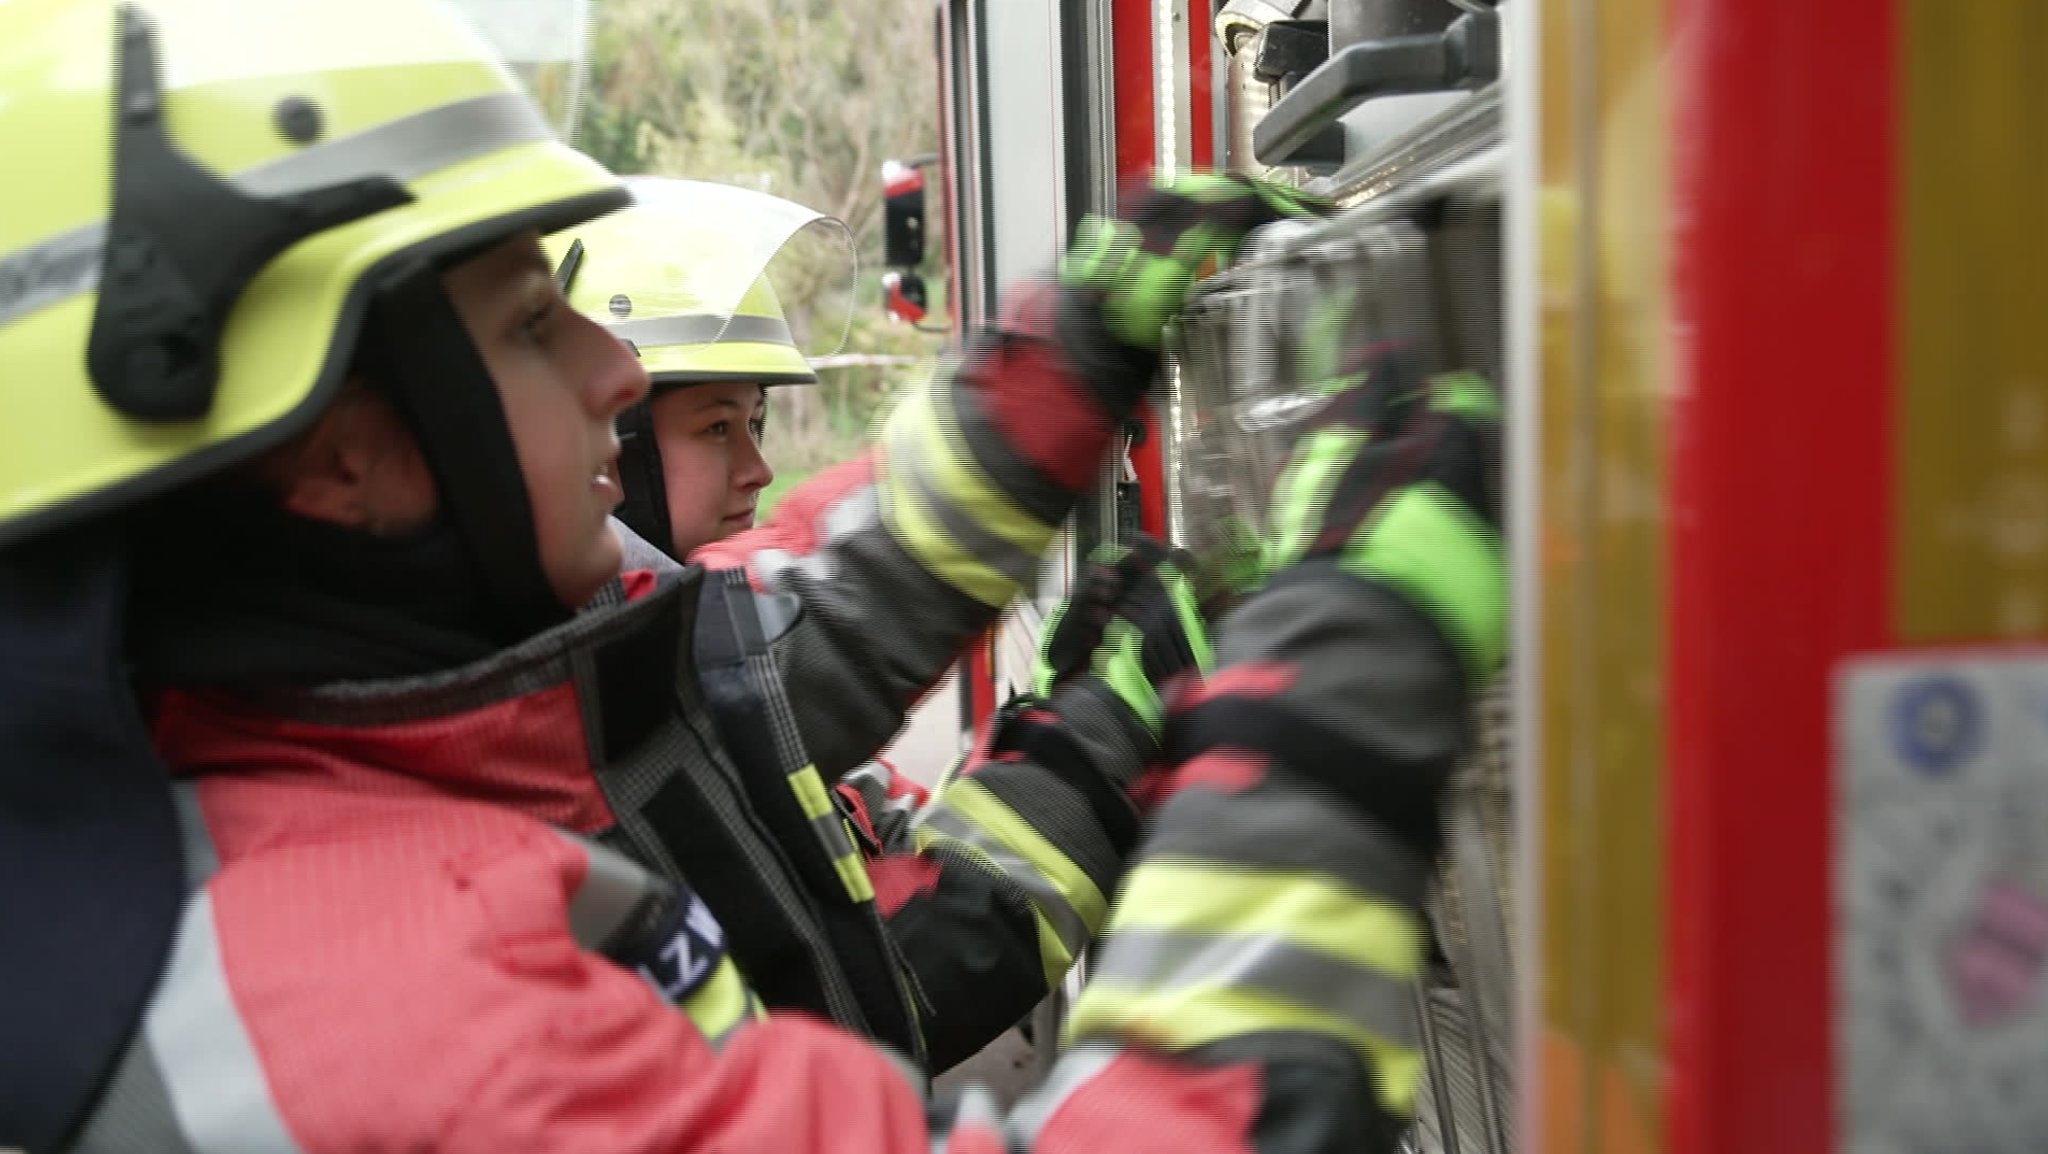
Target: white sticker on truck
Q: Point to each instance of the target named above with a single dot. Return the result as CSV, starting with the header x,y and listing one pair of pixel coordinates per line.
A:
x,y
1941,893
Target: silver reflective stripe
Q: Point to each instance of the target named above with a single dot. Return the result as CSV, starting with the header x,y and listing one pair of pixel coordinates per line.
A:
x,y
67,265
768,564
856,512
831,830
1288,829
1077,1067
135,1112
702,329
892,818
975,1110
1267,965
405,149
1066,921
202,861
217,1087
612,892
55,270
777,613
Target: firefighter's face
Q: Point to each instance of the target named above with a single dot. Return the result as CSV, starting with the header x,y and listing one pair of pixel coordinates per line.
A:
x,y
561,379
711,462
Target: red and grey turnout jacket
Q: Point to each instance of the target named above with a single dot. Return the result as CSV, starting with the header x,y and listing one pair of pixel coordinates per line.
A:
x,y
594,892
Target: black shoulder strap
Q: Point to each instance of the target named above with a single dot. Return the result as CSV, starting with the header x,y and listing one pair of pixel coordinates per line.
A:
x,y
92,878
758,727
728,633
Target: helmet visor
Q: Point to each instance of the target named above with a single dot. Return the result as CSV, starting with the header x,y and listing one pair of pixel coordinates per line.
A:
x,y
545,43
737,265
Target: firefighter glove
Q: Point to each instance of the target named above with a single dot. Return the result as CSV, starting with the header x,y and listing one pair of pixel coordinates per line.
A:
x,y
1398,482
1124,279
1132,624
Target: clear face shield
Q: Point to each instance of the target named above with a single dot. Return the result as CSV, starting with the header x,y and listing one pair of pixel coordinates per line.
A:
x,y
1258,353
727,268
546,44
1235,407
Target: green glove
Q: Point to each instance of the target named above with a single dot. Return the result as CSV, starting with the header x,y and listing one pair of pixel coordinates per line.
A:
x,y
1124,279
1133,623
1398,482
1232,567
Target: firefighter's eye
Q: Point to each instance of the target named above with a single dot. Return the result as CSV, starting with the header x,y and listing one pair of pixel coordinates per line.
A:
x,y
534,326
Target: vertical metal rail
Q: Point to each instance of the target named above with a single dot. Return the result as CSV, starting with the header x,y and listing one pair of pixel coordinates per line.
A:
x,y
1523,520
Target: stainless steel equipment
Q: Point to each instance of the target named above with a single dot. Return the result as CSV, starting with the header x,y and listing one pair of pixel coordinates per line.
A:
x,y
1415,257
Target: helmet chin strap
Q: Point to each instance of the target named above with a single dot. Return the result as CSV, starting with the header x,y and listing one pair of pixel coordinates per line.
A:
x,y
416,349
645,508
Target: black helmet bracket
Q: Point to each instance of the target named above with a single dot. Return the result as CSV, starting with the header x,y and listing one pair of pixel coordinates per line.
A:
x,y
182,245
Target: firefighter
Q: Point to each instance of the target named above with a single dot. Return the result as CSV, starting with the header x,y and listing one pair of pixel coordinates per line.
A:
x,y
309,487
663,276
960,922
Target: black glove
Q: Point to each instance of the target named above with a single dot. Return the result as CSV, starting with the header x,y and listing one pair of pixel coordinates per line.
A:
x,y
1133,624
1387,607
1398,481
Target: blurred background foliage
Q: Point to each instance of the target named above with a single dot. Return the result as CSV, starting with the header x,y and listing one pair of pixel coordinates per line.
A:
x,y
804,99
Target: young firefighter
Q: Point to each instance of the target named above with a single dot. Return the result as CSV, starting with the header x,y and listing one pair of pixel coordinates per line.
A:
x,y
307,433
683,277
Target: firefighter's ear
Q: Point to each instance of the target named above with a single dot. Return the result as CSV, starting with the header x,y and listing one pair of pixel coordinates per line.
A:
x,y
357,467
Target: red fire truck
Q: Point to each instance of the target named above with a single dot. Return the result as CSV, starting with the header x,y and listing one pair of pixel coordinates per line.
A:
x,y
1755,855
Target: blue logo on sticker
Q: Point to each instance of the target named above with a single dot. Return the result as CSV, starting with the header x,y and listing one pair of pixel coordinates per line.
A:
x,y
1937,724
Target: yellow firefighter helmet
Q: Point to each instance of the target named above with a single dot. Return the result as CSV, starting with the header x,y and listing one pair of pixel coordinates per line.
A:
x,y
686,276
210,194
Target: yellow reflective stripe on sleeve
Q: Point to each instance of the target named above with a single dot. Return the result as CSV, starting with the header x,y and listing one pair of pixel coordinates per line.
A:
x,y
1199,952
722,1005
1304,489
1262,966
960,477
921,535
1430,545
1055,955
1312,911
951,775
1184,1018
985,810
